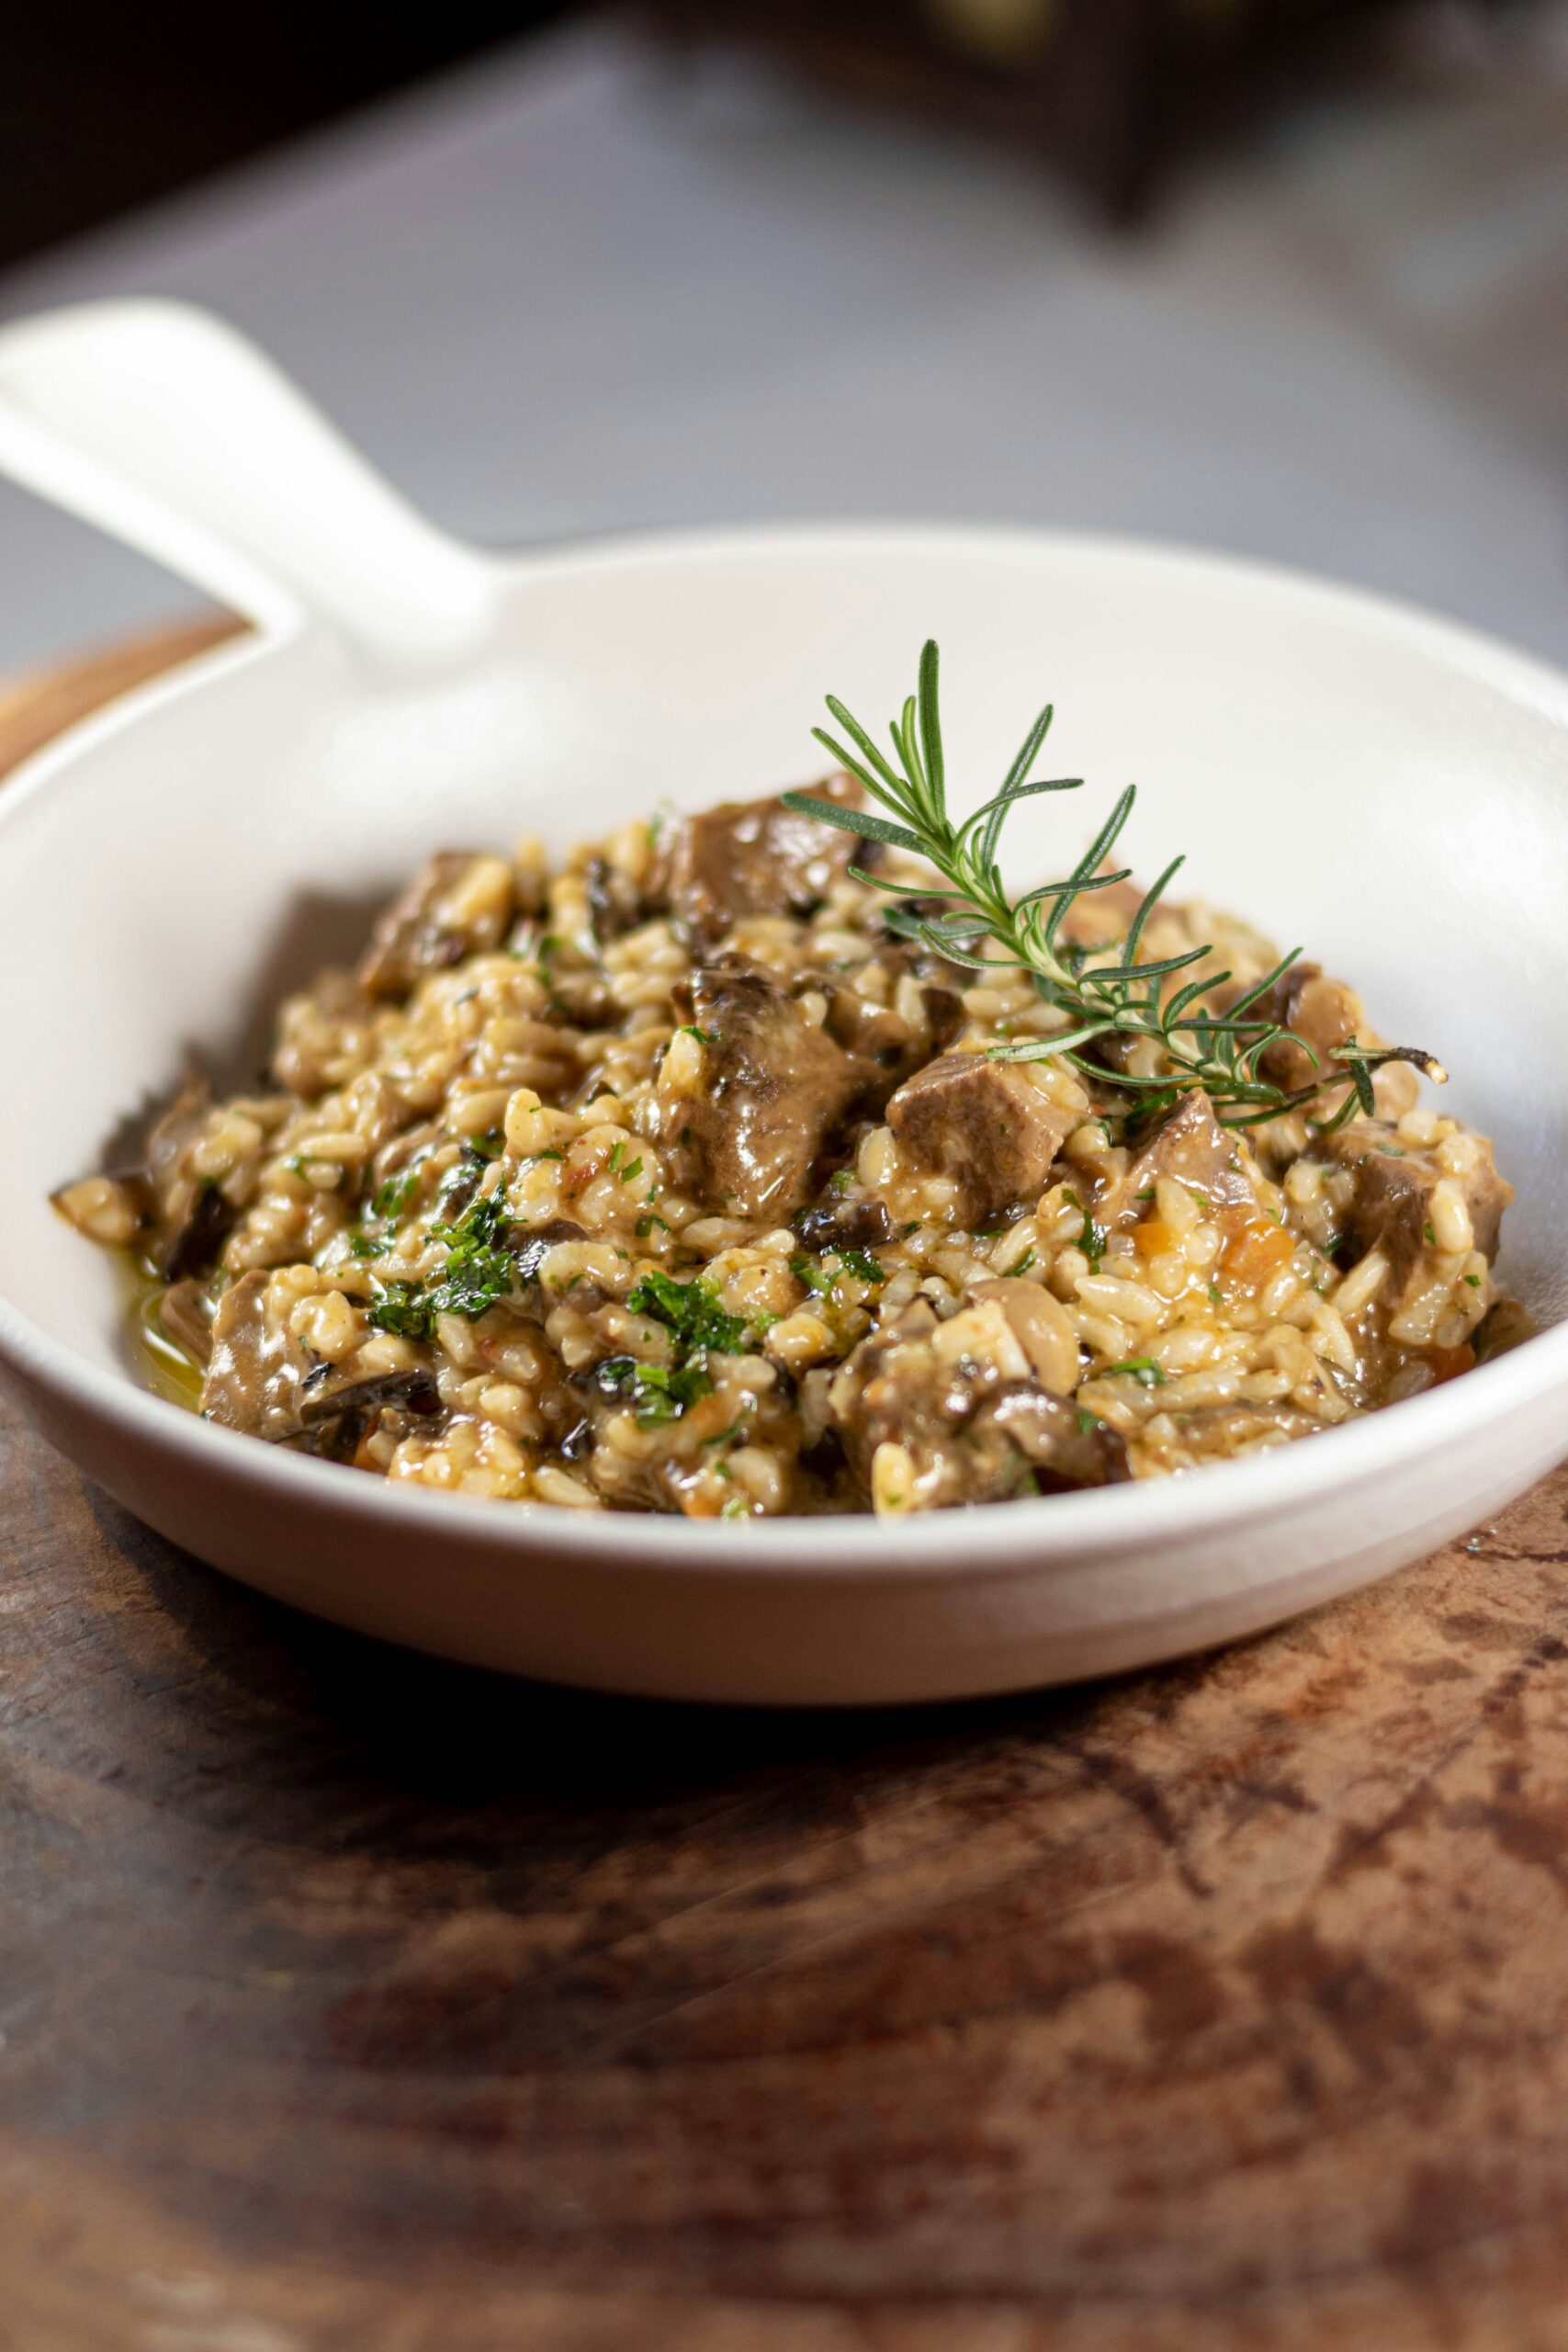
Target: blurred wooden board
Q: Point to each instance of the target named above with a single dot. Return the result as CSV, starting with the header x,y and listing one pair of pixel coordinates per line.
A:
x,y
355,2003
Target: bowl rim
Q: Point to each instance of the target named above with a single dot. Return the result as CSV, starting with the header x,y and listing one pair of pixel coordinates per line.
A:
x,y
998,1542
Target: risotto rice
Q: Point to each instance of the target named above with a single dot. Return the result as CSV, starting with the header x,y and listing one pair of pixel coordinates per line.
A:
x,y
668,1178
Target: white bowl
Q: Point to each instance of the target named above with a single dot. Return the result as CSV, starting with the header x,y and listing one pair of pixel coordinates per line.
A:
x,y
1385,788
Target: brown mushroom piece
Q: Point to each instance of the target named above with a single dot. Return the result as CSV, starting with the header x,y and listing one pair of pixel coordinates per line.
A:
x,y
335,1415
450,911
615,903
185,1311
191,1216
255,1369
263,1379
757,857
835,1222
773,1096
1392,1207
1041,1326
973,1430
1325,1014
986,1124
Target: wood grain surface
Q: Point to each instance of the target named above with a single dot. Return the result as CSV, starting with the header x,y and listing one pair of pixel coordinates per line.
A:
x,y
355,2003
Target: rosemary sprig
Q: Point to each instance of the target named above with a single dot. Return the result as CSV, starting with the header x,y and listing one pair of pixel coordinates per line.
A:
x,y
989,931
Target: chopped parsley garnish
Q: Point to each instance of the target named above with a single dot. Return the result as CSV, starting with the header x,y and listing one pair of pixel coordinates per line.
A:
x,y
400,1307
392,1198
1142,1368
1022,1265
659,1393
702,1036
840,1180
479,1271
1428,1235
1088,1422
1091,1240
644,1224
1474,1280
817,1280
691,1311
617,1168
861,1264
655,1393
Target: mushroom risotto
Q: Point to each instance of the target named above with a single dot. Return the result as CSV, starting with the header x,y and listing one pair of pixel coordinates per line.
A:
x,y
771,1159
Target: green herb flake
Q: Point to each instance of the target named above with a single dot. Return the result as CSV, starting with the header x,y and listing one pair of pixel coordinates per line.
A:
x,y
392,1198
861,1264
1092,1239
691,1311
1140,1368
656,1392
817,1280
1022,1265
479,1272
702,1036
399,1307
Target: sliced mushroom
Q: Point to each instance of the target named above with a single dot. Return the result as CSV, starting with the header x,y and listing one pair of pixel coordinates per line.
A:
x,y
262,1379
834,1222
615,903
951,1404
1041,1326
185,1313
191,1218
458,905
1397,1207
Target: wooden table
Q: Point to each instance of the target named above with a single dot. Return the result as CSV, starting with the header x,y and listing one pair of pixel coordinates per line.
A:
x,y
355,2003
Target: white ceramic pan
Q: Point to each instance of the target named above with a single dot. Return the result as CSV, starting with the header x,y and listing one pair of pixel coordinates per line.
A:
x,y
1388,789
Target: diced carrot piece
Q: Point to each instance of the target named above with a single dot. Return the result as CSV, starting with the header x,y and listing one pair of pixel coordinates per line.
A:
x,y
1449,1362
1253,1257
1153,1238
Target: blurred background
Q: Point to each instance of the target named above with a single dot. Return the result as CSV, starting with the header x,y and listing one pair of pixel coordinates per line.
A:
x,y
1288,278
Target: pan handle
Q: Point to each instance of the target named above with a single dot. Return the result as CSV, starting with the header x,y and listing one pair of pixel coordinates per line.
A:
x,y
166,428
